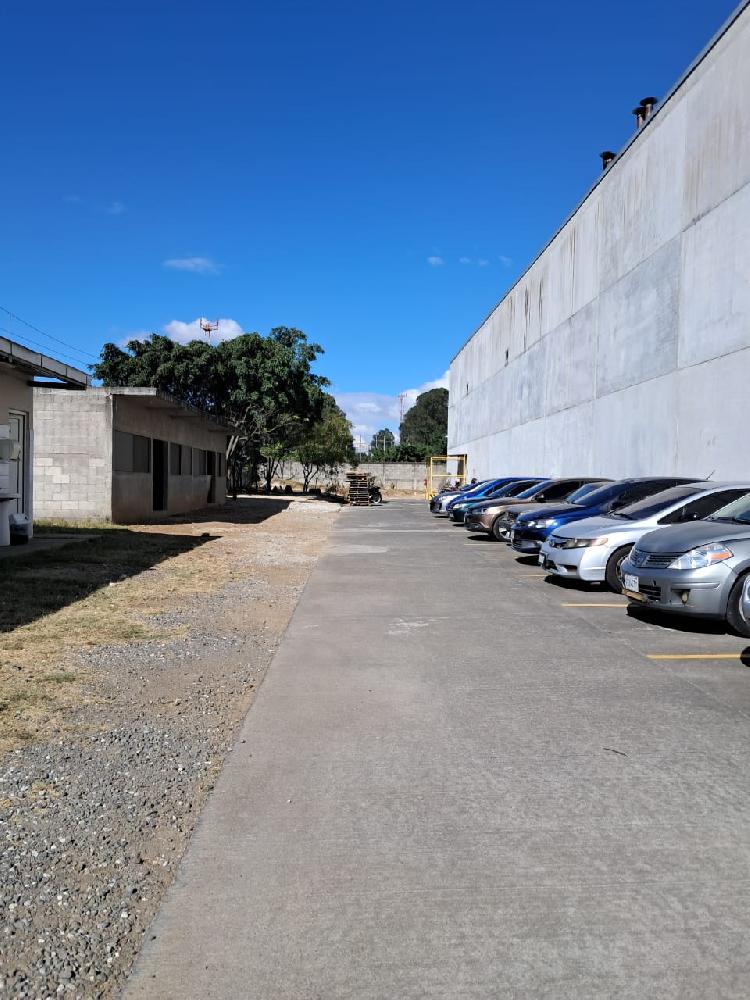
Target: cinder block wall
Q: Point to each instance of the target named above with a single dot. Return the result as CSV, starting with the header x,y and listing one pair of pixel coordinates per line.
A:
x,y
625,347
408,476
72,455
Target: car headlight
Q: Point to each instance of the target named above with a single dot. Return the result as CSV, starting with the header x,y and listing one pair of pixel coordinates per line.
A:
x,y
584,543
702,556
543,522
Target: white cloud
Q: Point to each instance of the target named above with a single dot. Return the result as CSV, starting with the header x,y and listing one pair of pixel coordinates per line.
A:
x,y
482,262
505,261
195,265
464,260
371,411
435,261
185,332
115,208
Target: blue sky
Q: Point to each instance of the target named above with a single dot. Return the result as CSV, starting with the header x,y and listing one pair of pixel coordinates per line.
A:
x,y
376,173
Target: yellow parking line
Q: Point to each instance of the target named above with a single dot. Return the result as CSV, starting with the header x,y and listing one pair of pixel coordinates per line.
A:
x,y
591,604
694,656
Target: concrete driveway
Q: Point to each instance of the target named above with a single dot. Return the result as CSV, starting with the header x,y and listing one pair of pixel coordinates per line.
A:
x,y
460,781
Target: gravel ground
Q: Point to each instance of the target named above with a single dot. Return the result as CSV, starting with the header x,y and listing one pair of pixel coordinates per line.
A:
x,y
94,823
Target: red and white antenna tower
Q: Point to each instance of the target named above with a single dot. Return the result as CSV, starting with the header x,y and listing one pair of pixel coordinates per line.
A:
x,y
208,327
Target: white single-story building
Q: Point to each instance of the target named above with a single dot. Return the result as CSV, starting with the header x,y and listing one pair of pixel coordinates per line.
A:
x,y
19,366
125,455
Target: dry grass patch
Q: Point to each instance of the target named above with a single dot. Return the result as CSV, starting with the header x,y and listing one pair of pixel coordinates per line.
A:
x,y
104,590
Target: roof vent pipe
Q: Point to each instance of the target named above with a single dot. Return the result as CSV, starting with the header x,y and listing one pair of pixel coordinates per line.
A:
x,y
648,104
607,158
640,117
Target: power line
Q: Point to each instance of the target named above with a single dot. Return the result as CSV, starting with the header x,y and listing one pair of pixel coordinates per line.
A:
x,y
36,329
30,340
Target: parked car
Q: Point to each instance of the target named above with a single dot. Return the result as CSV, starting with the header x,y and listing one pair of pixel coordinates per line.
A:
x,y
459,507
595,548
530,530
700,569
453,490
480,490
492,517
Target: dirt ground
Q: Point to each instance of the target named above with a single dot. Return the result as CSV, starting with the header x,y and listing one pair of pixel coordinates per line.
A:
x,y
126,663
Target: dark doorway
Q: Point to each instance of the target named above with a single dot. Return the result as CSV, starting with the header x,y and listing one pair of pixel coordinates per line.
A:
x,y
211,470
161,453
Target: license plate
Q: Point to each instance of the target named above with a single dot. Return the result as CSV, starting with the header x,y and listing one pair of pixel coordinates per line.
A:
x,y
631,583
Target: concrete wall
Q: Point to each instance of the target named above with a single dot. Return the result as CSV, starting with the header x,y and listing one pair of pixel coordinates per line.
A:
x,y
408,476
73,454
625,348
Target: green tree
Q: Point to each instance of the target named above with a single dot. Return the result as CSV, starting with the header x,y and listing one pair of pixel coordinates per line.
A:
x,y
326,444
262,386
382,442
425,425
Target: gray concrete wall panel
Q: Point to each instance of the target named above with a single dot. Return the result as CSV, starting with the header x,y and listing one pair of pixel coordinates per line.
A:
x,y
637,330
628,339
716,256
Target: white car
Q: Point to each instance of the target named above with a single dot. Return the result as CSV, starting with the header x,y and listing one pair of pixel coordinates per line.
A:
x,y
594,548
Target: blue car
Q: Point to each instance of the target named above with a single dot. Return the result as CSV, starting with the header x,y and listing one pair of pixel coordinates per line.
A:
x,y
530,530
511,491
483,490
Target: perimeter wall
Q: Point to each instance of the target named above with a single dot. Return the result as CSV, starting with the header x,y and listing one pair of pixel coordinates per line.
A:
x,y
625,348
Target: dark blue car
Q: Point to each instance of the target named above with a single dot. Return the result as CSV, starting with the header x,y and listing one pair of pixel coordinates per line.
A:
x,y
531,529
513,491
483,490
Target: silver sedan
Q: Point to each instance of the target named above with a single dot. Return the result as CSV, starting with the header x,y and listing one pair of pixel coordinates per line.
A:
x,y
700,569
594,549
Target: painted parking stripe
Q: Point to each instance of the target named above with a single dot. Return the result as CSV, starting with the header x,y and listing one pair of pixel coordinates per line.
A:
x,y
694,656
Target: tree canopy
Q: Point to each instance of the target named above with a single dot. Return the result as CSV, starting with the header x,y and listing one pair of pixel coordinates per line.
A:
x,y
263,386
382,441
425,425
327,444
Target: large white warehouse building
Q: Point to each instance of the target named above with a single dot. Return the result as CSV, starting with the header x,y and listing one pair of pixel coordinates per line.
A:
x,y
625,347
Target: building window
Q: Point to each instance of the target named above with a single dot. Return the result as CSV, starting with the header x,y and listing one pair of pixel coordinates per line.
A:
x,y
122,452
131,452
180,459
141,453
219,464
199,462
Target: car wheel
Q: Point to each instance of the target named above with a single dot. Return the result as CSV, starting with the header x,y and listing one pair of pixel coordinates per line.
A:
x,y
612,573
497,531
738,606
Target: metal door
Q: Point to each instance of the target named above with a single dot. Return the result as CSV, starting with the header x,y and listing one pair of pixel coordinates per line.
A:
x,y
18,465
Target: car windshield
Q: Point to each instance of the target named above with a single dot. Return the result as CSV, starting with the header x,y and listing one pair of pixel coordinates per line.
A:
x,y
601,495
513,489
737,512
531,491
582,492
649,506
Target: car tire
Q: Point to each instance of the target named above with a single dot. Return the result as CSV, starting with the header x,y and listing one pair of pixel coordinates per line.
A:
x,y
735,617
496,533
612,572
